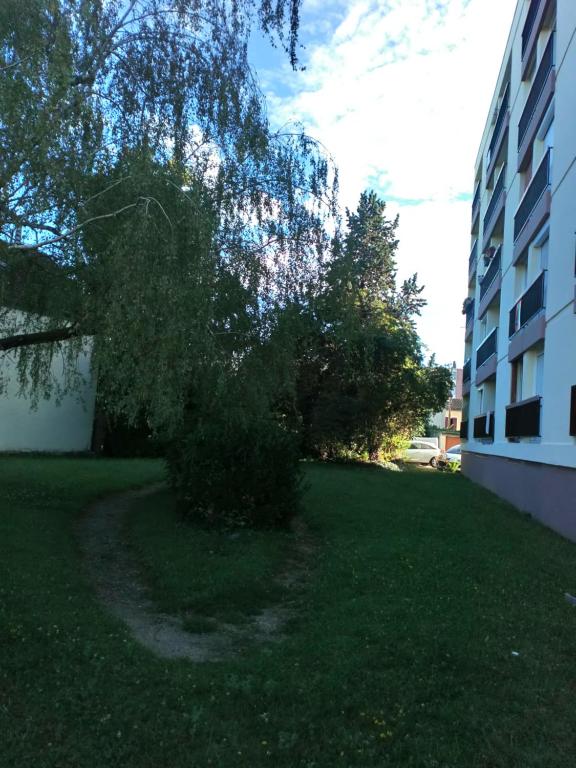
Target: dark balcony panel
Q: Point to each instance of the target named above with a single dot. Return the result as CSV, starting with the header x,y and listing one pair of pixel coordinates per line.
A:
x,y
540,182
491,296
487,348
512,321
476,202
531,302
464,429
469,311
544,68
467,371
498,134
540,17
473,256
529,23
496,194
573,411
491,273
524,157
536,219
484,426
523,418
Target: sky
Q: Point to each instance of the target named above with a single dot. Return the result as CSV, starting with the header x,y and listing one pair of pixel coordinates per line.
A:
x,y
398,92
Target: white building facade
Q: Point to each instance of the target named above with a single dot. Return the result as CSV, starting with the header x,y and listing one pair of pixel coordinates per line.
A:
x,y
59,425
519,383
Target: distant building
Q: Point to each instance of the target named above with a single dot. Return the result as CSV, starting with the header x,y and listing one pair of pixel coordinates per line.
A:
x,y
519,385
51,427
449,420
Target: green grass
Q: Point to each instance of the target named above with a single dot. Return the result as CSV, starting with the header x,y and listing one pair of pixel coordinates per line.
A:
x,y
422,589
228,576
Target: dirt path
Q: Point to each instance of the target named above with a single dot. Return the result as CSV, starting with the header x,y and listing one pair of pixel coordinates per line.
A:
x,y
120,586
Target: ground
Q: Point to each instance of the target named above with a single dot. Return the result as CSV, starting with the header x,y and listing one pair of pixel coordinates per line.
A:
x,y
431,630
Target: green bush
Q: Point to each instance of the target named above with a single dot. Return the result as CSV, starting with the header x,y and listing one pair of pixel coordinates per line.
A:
x,y
237,474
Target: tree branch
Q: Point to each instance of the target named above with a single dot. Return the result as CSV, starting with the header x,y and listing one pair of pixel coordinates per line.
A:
x,y
28,247
39,337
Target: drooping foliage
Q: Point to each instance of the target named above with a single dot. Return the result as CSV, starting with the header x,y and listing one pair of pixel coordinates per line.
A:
x,y
140,181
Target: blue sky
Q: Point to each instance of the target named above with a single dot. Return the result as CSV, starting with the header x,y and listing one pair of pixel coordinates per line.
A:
x,y
398,91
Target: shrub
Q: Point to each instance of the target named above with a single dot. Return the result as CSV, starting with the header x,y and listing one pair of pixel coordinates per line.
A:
x,y
237,474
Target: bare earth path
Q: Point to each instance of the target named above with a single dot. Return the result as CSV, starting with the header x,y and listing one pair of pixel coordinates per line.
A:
x,y
120,586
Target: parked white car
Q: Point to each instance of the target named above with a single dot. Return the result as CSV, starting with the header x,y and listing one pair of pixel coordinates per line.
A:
x,y
451,458
420,452
454,454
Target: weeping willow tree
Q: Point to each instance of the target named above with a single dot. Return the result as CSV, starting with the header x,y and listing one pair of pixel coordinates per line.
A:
x,y
147,209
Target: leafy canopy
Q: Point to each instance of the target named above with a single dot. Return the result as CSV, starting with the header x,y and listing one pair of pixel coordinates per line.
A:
x,y
146,204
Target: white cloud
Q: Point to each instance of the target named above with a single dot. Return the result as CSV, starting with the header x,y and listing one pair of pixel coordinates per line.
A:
x,y
399,93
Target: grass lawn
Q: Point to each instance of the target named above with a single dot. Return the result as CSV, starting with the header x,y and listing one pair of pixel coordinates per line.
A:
x,y
423,590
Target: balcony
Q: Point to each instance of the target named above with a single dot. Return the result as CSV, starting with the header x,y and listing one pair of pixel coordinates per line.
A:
x,y
499,133
487,348
484,426
495,208
464,430
490,283
537,103
475,209
534,207
527,324
523,418
491,273
531,302
469,312
486,359
529,25
473,261
537,12
466,376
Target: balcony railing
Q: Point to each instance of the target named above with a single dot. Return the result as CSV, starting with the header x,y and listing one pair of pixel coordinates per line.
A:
x,y
476,202
467,371
530,303
537,87
491,273
538,185
484,426
473,255
487,348
523,418
529,23
499,123
464,430
469,312
498,190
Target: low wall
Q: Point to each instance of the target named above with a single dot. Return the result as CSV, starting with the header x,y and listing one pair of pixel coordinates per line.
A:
x,y
545,491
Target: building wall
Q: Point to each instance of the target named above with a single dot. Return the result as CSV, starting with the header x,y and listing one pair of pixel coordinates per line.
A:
x,y
50,427
553,445
536,472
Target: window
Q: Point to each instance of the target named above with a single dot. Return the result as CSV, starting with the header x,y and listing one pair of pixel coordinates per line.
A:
x,y
539,379
516,384
544,249
544,138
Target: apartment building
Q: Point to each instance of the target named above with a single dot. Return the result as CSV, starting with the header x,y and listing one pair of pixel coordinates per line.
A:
x,y
519,381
